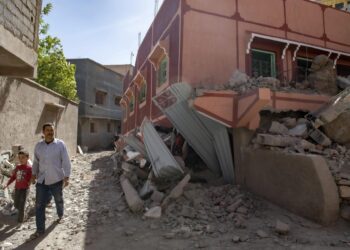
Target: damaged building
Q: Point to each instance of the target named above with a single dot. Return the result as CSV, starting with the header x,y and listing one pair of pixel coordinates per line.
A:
x,y
246,87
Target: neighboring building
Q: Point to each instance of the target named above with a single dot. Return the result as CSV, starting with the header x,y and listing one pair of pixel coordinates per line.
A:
x,y
99,90
25,106
19,24
204,42
122,69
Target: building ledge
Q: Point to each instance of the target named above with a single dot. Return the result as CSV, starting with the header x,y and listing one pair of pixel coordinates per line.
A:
x,y
16,59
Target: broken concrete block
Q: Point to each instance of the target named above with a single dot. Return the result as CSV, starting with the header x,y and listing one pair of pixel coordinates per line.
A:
x,y
344,183
132,198
278,128
323,75
343,82
262,234
282,228
238,78
188,212
276,140
344,192
177,190
232,208
157,196
289,122
154,213
339,129
300,130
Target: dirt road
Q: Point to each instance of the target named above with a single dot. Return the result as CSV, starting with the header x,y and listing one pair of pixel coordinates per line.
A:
x,y
98,218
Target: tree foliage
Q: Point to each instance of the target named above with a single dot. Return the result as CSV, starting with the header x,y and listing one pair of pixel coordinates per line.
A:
x,y
54,71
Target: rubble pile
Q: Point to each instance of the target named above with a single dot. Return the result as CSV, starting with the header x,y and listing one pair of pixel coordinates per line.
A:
x,y
322,79
186,202
300,132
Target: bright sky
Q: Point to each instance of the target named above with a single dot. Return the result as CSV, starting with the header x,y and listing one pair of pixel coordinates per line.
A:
x,y
104,30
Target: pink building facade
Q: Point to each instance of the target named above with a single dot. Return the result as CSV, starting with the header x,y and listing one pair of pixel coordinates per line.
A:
x,y
204,42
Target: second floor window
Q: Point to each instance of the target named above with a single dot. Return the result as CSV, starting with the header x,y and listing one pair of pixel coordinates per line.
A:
x,y
143,92
163,71
131,104
100,97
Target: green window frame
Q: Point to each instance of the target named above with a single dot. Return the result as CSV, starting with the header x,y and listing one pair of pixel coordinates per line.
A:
x,y
163,71
263,63
143,92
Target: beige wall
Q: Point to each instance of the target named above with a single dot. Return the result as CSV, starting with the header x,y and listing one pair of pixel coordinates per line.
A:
x,y
25,107
101,138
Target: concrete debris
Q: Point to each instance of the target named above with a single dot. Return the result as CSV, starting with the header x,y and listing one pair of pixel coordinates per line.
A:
x,y
177,190
343,82
344,192
282,228
300,130
323,75
163,162
278,128
262,234
154,213
238,78
132,198
345,213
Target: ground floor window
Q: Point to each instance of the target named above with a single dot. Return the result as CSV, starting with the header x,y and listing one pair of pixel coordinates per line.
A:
x,y
263,63
302,69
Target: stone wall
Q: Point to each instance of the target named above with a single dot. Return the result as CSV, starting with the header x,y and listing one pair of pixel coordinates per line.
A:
x,y
25,106
20,17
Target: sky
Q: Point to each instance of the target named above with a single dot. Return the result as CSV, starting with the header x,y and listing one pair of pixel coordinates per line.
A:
x,y
105,31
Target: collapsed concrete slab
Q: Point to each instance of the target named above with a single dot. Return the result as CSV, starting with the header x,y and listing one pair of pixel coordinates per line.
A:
x,y
132,198
136,144
173,102
302,184
164,165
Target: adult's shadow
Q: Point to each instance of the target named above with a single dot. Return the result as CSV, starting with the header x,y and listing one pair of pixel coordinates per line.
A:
x,y
31,244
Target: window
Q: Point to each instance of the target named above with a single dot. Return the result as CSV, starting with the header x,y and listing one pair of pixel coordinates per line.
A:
x,y
100,97
143,92
263,63
92,128
163,71
131,104
117,100
108,127
302,70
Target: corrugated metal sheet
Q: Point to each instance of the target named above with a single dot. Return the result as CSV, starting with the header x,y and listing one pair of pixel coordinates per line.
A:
x,y
222,147
136,144
163,162
173,102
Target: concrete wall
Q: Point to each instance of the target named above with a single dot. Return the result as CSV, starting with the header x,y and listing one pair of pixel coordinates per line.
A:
x,y
25,106
300,183
101,138
19,22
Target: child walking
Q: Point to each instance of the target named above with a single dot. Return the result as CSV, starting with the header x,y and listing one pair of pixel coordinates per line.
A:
x,y
22,174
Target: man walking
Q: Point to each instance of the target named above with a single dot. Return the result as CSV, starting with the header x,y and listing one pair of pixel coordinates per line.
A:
x,y
51,171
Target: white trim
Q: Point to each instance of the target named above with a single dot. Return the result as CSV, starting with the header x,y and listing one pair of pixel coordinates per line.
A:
x,y
276,39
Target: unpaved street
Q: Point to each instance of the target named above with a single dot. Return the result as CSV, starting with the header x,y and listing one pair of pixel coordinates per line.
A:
x,y
98,218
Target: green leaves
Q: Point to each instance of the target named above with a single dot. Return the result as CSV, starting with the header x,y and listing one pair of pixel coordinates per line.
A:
x,y
54,71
